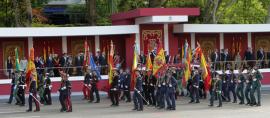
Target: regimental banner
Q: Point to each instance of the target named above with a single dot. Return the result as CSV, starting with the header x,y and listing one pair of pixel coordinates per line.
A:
x,y
9,50
262,41
151,38
208,45
77,46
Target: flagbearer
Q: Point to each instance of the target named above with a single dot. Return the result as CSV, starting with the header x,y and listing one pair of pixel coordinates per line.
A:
x,y
256,87
86,85
64,96
47,90
126,84
33,93
248,87
137,96
195,87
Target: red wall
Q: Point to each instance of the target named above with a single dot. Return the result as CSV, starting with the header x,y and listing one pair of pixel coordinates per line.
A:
x,y
91,39
129,50
228,41
55,43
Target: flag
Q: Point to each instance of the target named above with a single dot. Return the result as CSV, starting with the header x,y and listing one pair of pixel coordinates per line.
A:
x,y
86,55
93,66
135,58
149,65
17,61
31,68
159,61
49,50
44,53
207,81
111,63
188,66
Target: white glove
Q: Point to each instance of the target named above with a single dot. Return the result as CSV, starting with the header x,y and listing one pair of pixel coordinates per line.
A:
x,y
247,81
138,91
143,83
151,84
224,81
159,85
31,94
170,85
239,81
63,88
50,87
114,89
231,81
254,79
163,83
126,86
15,87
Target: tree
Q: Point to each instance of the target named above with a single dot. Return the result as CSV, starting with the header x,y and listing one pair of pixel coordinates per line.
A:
x,y
91,11
23,13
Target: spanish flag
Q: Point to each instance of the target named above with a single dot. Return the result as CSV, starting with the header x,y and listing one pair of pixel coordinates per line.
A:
x,y
159,61
44,53
188,66
149,65
86,55
31,68
17,61
111,63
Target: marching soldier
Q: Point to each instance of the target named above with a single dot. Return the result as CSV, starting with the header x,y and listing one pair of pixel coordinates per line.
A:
x,y
137,96
126,84
256,87
40,87
47,90
162,93
158,92
152,85
21,89
33,94
114,90
64,96
195,87
216,88
86,85
224,86
94,88
231,86
145,85
240,87
248,87
12,88
170,91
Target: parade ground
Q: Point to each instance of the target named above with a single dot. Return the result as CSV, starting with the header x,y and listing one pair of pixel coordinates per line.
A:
x,y
84,109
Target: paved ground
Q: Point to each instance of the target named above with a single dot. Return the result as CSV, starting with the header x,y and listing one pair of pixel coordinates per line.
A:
x,y
83,109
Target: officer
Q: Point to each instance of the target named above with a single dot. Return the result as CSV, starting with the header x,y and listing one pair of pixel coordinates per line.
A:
x,y
126,84
151,89
179,78
21,89
94,88
33,93
195,87
162,91
64,91
86,85
248,87
212,89
47,90
240,87
114,90
40,87
256,87
224,86
171,85
137,96
216,88
158,91
12,88
231,86
145,86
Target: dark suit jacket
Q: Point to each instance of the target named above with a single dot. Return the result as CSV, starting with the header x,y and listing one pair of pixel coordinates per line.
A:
x,y
260,56
249,56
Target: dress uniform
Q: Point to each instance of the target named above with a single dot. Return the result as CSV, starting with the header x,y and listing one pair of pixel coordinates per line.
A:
x,y
114,90
162,92
47,90
231,86
41,87
256,87
151,89
248,88
137,96
224,92
86,86
33,94
170,92
216,88
145,86
126,85
21,90
12,88
64,96
195,87
240,87
158,91
94,88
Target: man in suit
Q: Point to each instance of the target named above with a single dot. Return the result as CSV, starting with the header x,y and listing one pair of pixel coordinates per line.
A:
x,y
63,60
249,57
260,57
103,63
78,64
49,64
215,58
225,57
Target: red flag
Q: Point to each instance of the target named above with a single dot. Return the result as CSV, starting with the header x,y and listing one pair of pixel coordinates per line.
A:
x,y
159,61
86,55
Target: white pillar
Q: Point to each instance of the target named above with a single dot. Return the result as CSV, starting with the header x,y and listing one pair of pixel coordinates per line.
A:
x,y
249,40
97,43
137,41
192,36
64,44
30,44
166,38
221,41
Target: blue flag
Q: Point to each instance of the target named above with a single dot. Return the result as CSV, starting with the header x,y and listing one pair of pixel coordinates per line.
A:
x,y
94,67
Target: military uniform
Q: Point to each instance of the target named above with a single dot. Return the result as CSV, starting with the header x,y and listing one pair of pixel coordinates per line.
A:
x,y
162,92
231,87
47,91
21,90
114,91
240,88
195,89
33,95
256,87
126,85
248,89
137,98
94,88
171,85
86,86
145,86
12,88
41,87
151,90
64,96
224,87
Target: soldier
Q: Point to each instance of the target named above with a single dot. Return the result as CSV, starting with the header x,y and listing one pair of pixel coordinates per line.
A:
x,y
151,89
40,87
248,87
64,96
231,86
33,93
94,88
114,90
216,88
47,90
126,84
145,85
256,87
195,87
224,86
21,89
179,74
86,85
170,91
240,87
137,96
12,88
158,92
162,91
